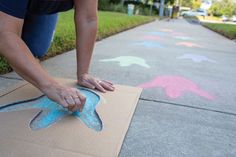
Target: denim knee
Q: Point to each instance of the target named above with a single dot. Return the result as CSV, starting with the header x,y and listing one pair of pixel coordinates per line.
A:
x,y
38,33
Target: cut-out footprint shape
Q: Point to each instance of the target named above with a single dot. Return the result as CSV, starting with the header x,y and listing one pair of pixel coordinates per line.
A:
x,y
51,112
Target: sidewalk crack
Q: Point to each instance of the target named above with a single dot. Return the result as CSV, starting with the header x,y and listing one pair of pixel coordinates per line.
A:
x,y
10,78
188,106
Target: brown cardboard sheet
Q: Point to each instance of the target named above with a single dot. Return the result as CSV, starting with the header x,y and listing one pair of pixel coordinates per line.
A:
x,y
69,137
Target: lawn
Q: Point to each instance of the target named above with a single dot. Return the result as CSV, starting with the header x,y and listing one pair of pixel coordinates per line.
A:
x,y
209,18
228,30
64,40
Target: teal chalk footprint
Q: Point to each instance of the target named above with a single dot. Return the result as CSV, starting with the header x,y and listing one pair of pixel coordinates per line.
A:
x,y
52,112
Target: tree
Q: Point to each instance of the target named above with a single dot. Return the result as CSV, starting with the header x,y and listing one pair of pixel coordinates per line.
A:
x,y
224,7
186,3
196,4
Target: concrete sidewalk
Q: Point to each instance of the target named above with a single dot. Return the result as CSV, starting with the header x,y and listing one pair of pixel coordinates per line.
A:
x,y
188,105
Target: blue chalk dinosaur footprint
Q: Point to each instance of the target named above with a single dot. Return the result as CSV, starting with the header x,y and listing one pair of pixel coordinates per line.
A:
x,y
51,112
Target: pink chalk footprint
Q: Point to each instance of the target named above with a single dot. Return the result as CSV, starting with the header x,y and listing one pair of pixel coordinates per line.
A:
x,y
175,86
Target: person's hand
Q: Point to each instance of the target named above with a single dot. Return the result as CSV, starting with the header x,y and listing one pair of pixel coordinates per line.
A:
x,y
91,82
68,97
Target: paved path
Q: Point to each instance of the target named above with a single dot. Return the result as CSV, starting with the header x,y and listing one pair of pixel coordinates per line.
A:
x,y
188,72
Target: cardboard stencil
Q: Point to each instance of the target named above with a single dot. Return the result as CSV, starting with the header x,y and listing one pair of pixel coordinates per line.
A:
x,y
25,132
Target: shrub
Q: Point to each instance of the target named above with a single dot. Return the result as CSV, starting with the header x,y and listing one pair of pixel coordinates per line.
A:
x,y
196,4
119,8
103,4
224,7
144,9
107,5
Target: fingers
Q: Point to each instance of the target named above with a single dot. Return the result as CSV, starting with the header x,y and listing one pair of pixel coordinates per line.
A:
x,y
103,85
98,86
91,82
63,103
88,84
77,104
82,99
70,101
95,84
69,98
73,100
107,86
109,82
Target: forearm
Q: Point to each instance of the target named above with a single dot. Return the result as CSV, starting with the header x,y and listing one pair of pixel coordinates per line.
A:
x,y
86,22
86,30
22,61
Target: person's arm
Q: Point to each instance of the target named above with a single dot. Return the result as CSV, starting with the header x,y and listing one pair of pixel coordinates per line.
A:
x,y
22,61
86,22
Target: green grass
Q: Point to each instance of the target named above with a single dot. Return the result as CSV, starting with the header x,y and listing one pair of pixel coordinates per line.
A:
x,y
4,66
109,23
64,40
209,18
228,30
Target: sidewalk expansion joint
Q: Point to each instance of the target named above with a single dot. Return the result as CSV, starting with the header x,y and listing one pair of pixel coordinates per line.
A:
x,y
11,78
218,51
187,106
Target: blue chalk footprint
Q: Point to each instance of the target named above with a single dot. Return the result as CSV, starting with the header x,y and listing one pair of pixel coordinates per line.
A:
x,y
52,112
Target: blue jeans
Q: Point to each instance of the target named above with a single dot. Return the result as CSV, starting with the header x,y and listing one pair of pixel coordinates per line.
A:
x,y
38,31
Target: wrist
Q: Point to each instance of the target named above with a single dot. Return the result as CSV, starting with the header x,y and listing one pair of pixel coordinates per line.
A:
x,y
81,74
46,85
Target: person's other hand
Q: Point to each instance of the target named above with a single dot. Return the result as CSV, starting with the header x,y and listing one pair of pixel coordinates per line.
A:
x,y
91,82
68,97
